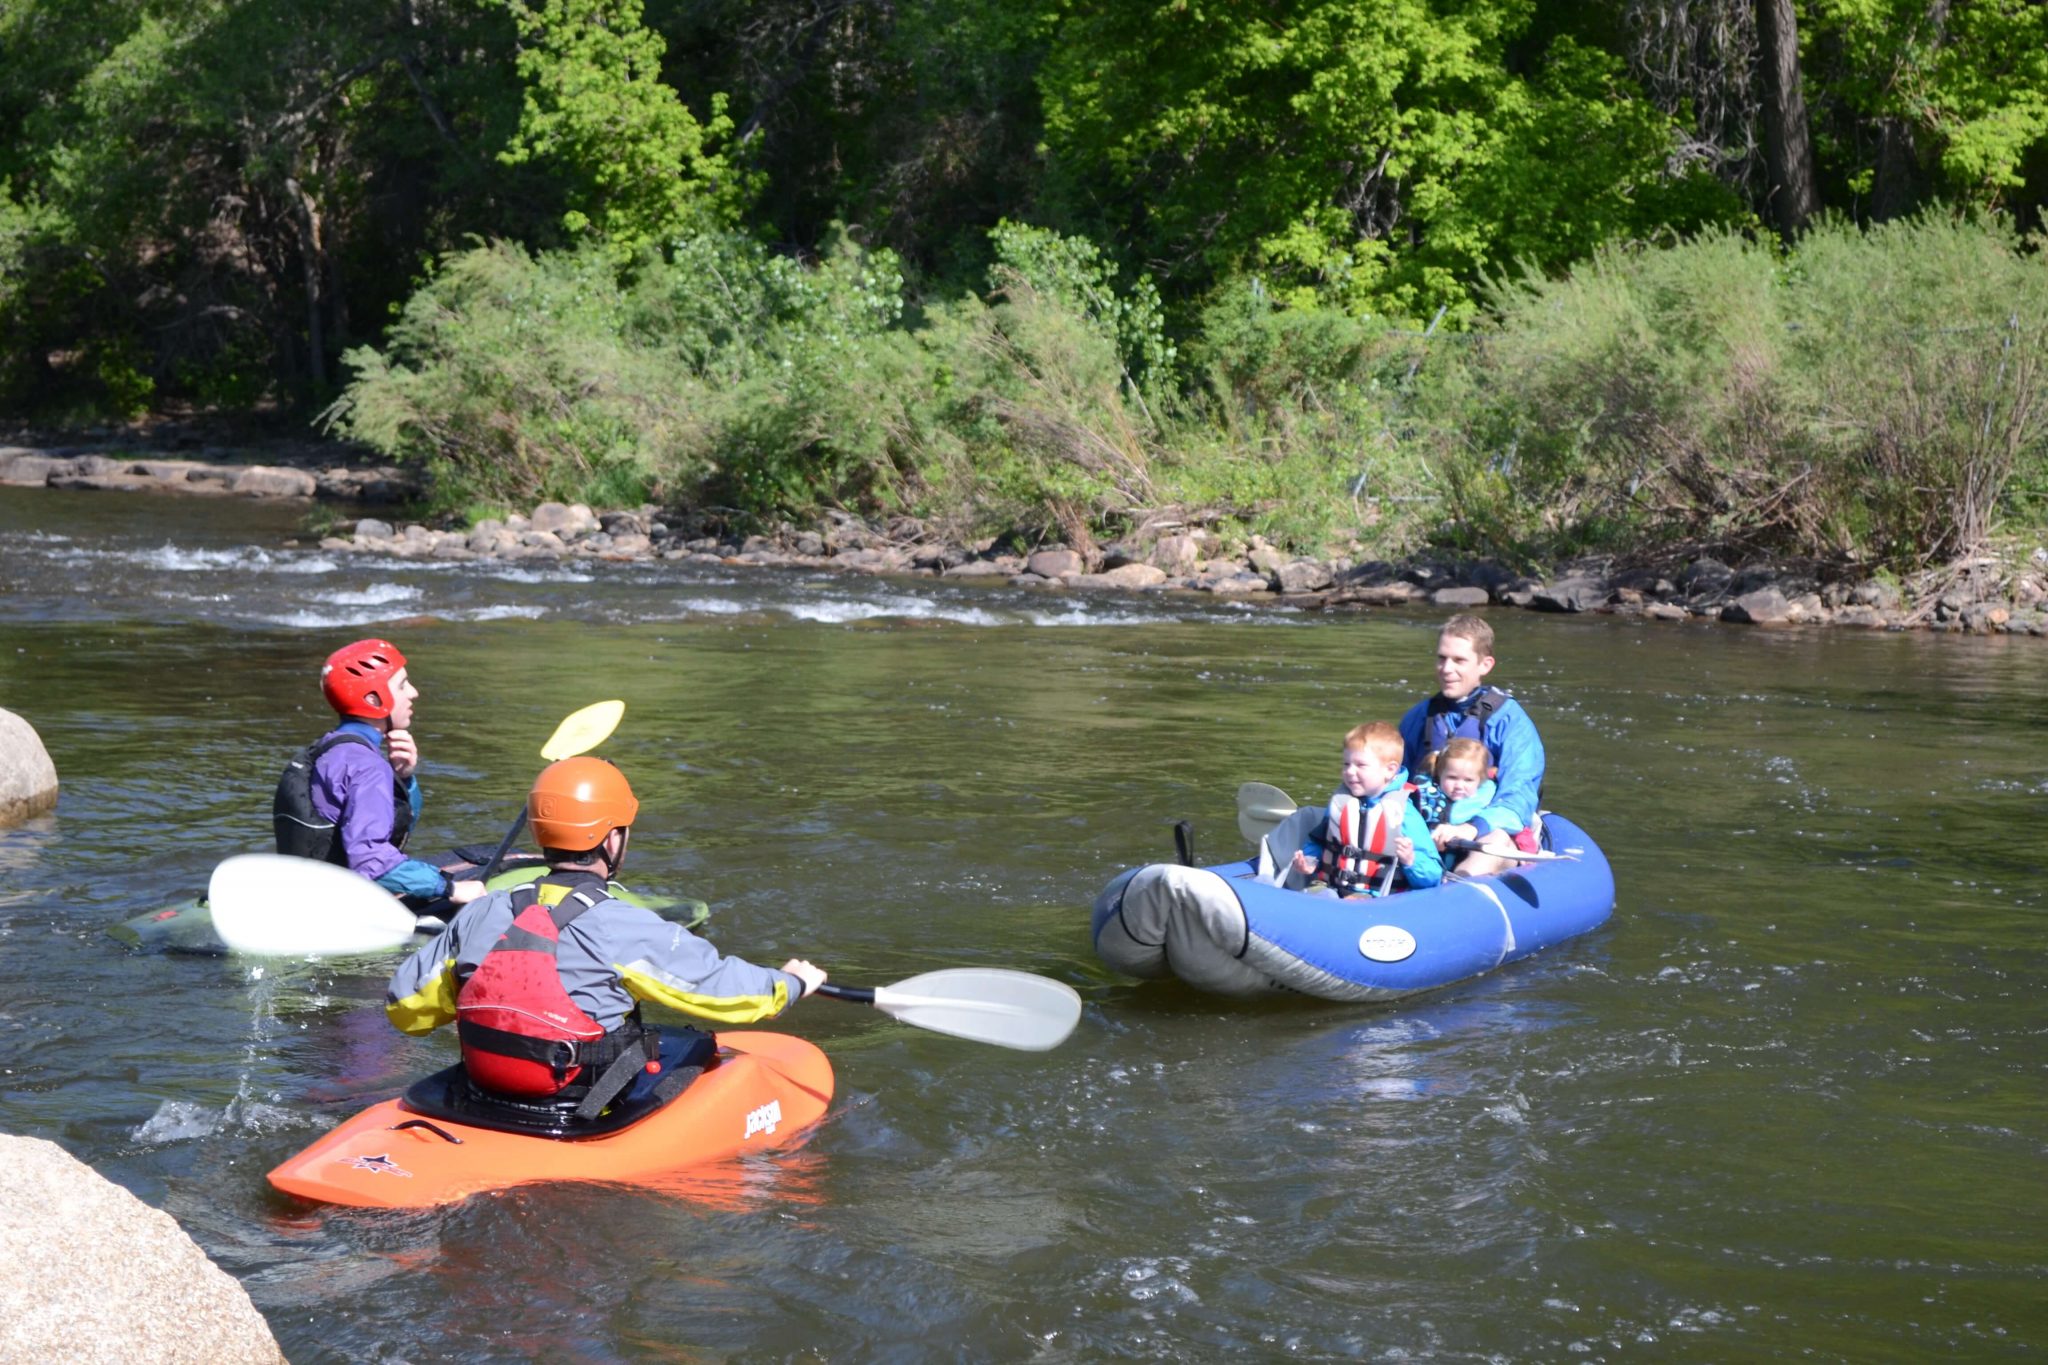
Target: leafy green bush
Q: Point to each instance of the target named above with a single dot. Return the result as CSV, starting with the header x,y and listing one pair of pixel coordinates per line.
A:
x,y
1865,398
506,381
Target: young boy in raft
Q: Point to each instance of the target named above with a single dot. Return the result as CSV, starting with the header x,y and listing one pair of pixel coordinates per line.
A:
x,y
1370,813
1456,790
543,982
1465,707
344,799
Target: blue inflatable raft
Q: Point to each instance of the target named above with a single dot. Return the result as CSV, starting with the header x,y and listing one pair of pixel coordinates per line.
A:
x,y
1244,929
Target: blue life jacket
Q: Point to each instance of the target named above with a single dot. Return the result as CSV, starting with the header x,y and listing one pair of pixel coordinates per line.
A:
x,y
1448,720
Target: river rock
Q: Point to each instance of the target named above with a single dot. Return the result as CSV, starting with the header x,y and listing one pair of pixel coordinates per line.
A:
x,y
25,467
1460,597
119,482
1982,618
1238,584
880,559
1055,562
1764,607
986,568
1576,593
1378,594
1175,554
1303,575
172,473
1264,558
28,780
262,481
90,1272
566,521
1129,577
1705,578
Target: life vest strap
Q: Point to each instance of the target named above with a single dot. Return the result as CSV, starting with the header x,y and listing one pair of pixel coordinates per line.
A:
x,y
559,1055
634,1057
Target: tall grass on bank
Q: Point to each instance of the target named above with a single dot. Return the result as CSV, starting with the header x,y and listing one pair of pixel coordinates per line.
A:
x,y
733,381
1867,398
1870,398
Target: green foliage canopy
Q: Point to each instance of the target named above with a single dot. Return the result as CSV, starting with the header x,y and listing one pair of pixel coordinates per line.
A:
x,y
1382,155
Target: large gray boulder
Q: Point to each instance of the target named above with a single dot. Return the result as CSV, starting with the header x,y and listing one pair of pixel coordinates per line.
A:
x,y
28,780
90,1272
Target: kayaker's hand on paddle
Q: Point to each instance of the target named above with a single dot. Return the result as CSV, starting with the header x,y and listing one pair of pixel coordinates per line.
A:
x,y
812,976
405,755
463,892
1304,864
1404,851
1444,834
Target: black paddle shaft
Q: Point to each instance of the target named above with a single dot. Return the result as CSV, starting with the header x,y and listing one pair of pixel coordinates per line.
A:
x,y
859,995
504,846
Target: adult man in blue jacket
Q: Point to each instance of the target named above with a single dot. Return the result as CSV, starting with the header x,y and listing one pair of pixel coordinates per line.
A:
x,y
1465,706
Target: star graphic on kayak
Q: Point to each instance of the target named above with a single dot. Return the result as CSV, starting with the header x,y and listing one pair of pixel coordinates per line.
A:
x,y
380,1165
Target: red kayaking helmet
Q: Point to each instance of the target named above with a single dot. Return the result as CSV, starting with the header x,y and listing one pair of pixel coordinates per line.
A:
x,y
356,679
577,801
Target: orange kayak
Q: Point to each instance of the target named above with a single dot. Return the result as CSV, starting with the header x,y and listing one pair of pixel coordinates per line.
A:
x,y
763,1090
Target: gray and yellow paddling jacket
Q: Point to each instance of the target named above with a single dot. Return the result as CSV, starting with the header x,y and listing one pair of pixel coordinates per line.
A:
x,y
609,956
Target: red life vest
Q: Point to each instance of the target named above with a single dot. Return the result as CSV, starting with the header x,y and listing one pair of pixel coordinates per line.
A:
x,y
521,1034
1352,829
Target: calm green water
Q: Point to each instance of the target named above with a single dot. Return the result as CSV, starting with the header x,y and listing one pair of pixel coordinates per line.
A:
x,y
1789,1102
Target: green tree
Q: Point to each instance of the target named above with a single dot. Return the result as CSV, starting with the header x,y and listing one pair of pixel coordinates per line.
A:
x,y
1934,99
1381,152
636,167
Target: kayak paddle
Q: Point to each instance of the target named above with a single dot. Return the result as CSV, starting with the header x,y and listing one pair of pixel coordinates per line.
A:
x,y
1563,855
579,733
985,1004
277,906
1260,809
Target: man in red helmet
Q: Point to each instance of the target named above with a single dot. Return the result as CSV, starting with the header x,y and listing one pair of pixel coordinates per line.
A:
x,y
543,981
351,797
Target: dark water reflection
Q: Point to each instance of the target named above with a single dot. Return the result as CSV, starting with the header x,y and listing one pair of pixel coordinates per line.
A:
x,y
1790,1101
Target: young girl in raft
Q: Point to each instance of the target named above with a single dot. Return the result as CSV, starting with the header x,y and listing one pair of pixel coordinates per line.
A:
x,y
1458,789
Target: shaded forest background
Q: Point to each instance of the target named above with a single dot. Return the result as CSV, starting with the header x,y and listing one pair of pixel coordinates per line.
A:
x,y
1521,277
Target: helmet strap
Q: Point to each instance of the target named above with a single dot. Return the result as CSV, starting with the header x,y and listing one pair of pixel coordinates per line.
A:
x,y
598,855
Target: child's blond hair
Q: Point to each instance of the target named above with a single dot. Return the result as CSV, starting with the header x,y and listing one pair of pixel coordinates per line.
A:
x,y
1461,748
1377,738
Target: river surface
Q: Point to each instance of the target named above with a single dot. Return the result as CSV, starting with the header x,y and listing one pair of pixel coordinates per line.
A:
x,y
1789,1101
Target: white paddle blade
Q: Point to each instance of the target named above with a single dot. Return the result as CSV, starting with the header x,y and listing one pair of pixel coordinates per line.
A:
x,y
986,1004
1259,808
268,904
582,731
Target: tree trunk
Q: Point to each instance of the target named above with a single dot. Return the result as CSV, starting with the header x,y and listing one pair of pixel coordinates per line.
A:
x,y
1788,141
313,261
1898,182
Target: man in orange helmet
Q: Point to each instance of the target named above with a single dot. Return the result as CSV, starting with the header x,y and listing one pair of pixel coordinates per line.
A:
x,y
543,982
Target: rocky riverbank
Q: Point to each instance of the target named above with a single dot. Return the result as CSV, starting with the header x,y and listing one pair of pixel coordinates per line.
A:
x,y
1166,553
309,473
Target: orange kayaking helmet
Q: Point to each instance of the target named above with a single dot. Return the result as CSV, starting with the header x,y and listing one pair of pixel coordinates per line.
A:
x,y
356,679
577,801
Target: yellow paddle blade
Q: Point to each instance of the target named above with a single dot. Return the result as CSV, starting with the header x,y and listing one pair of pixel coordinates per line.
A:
x,y
583,731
